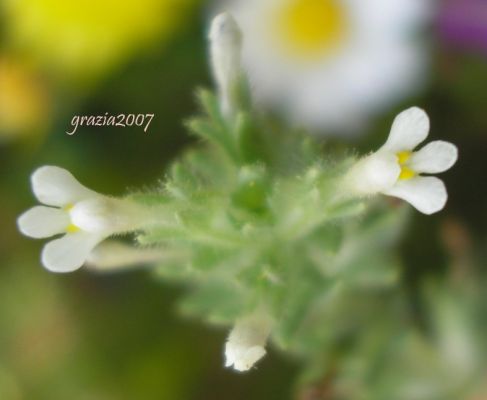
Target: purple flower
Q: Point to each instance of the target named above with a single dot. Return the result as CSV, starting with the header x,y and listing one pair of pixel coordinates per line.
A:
x,y
463,24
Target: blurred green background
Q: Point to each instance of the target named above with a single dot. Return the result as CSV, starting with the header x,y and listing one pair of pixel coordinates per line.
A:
x,y
118,336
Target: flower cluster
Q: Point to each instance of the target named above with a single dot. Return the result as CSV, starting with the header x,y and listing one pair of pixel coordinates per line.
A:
x,y
254,228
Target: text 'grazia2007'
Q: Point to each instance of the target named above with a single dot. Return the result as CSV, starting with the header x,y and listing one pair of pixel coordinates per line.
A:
x,y
120,120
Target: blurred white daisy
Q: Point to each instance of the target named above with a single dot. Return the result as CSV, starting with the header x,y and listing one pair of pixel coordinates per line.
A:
x,y
396,169
331,64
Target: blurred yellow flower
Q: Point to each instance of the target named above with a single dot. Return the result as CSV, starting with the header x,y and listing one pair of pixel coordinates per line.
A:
x,y
24,102
83,39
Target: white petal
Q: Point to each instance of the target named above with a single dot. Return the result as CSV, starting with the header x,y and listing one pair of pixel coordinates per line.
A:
x,y
373,174
433,158
56,186
42,222
106,215
245,344
69,252
244,359
427,194
409,129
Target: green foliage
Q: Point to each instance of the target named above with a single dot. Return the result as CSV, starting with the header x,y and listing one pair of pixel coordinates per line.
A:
x,y
260,217
260,220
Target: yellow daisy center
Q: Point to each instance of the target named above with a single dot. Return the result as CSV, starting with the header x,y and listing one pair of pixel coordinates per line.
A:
x,y
406,172
311,28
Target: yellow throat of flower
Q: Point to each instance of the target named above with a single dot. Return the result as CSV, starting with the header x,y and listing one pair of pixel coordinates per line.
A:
x,y
309,29
406,172
71,228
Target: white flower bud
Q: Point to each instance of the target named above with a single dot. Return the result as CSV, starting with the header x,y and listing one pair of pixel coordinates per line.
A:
x,y
225,48
246,342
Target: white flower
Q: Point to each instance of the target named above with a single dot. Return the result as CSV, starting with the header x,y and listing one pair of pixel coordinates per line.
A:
x,y
395,169
84,216
331,64
246,342
225,47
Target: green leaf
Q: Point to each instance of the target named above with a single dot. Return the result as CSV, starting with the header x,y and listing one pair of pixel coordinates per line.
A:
x,y
217,302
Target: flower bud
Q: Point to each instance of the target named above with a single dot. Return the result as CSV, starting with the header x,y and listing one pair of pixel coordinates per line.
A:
x,y
225,48
245,344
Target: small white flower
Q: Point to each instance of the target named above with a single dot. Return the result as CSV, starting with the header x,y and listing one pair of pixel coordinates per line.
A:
x,y
246,342
84,216
225,47
395,169
331,64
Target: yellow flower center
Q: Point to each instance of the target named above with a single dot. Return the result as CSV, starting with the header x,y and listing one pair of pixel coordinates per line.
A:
x,y
406,172
311,28
72,228
403,156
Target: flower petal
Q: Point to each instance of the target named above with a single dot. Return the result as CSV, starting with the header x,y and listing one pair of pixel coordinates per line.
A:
x,y
243,359
435,157
56,186
245,344
374,173
409,129
104,214
42,222
69,252
427,194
